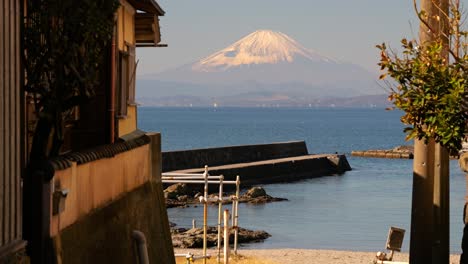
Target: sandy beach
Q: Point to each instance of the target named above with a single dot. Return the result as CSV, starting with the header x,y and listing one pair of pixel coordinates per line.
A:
x,y
313,256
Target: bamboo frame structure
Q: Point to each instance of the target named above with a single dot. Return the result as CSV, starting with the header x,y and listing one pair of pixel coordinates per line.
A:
x,y
226,237
220,208
205,213
236,214
206,179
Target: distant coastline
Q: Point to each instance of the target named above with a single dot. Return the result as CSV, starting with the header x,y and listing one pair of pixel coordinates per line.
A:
x,y
266,99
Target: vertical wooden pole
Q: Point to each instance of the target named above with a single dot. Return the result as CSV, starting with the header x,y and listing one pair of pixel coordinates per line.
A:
x,y
422,208
226,236
430,169
441,206
441,158
236,215
205,213
220,209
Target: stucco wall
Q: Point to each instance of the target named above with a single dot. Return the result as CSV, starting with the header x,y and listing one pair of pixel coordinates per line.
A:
x,y
198,158
107,199
95,184
125,25
104,236
129,123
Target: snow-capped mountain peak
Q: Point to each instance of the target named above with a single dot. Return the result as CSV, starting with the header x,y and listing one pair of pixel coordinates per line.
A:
x,y
259,47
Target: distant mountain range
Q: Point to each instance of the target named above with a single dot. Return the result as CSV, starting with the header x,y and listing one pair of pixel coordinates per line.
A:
x,y
263,68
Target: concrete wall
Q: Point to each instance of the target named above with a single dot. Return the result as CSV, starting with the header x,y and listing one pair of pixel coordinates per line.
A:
x,y
95,184
285,170
197,158
107,199
104,236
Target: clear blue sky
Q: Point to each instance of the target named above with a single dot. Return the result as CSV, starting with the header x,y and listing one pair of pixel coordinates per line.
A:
x,y
346,30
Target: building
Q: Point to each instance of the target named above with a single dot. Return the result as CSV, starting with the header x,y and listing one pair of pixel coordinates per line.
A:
x,y
106,182
11,140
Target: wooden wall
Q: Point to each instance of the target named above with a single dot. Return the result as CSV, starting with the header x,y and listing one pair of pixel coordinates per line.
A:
x,y
10,126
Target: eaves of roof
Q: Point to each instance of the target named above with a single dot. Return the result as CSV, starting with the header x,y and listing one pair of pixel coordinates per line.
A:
x,y
149,6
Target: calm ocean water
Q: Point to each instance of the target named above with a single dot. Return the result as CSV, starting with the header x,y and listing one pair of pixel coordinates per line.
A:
x,y
349,212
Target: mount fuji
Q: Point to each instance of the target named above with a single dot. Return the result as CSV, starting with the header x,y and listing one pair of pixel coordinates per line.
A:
x,y
264,67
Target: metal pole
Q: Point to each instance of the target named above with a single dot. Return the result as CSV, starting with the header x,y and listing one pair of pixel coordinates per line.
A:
x,y
197,181
220,209
190,177
205,213
140,246
178,174
233,212
236,218
226,236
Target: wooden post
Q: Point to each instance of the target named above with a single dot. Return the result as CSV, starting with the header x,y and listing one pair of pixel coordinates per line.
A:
x,y
463,162
236,214
220,209
226,236
441,252
429,162
441,206
205,213
422,211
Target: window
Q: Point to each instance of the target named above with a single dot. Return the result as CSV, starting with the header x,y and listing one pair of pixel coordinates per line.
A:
x,y
123,83
132,75
126,80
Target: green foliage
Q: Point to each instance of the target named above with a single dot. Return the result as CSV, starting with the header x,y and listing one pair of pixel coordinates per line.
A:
x,y
429,90
64,46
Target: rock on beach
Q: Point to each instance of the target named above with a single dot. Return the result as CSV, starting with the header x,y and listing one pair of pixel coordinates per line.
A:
x,y
193,238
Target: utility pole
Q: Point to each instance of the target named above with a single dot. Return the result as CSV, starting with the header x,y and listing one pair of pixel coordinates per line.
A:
x,y
441,252
429,241
422,203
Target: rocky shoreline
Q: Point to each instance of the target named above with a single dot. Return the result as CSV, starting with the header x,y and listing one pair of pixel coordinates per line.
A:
x,y
400,152
193,238
180,195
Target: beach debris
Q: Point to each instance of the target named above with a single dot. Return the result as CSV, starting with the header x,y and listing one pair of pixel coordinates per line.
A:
x,y
381,256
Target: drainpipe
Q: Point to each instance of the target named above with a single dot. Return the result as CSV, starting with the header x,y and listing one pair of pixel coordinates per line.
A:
x,y
140,247
112,86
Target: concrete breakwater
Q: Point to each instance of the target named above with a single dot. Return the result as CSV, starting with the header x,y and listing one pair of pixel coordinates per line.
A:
x,y
382,154
198,158
257,164
400,152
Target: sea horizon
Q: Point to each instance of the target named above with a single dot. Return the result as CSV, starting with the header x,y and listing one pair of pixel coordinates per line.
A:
x,y
352,211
